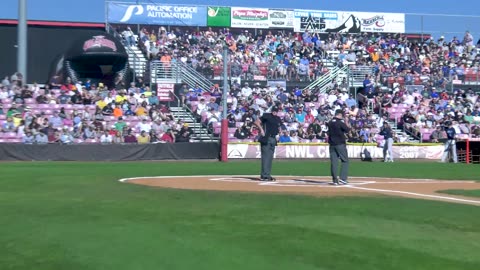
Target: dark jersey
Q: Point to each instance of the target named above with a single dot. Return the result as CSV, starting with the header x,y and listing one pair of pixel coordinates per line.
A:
x,y
450,133
336,131
387,133
271,124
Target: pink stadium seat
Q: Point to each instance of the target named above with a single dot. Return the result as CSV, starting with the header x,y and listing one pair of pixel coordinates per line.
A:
x,y
55,107
426,136
29,101
3,117
10,135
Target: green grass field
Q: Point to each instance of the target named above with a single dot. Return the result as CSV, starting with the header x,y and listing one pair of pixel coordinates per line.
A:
x,y
77,216
467,193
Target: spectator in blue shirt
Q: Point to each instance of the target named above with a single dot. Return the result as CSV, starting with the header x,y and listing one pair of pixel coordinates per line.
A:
x,y
284,138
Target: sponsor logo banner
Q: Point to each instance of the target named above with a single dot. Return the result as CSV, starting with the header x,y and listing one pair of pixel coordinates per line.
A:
x,y
165,91
161,14
219,16
249,17
251,151
280,18
347,22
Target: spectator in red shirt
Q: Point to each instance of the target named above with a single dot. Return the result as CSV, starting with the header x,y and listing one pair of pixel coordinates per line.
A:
x,y
168,137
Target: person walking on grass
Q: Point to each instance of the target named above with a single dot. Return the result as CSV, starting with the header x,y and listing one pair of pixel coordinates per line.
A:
x,y
337,128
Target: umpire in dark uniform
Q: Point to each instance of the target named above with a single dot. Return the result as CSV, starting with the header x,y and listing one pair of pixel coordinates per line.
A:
x,y
269,126
338,147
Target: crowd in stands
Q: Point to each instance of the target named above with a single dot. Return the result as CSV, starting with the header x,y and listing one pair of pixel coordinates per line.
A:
x,y
303,56
396,64
85,113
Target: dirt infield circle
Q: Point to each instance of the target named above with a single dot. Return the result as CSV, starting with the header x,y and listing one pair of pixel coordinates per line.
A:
x,y
317,186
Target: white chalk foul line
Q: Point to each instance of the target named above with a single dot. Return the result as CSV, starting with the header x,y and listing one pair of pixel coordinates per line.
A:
x,y
416,194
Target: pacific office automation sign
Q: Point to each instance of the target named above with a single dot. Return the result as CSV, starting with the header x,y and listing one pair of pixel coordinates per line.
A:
x,y
347,22
251,151
158,14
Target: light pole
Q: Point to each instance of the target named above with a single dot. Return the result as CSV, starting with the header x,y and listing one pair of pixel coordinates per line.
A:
x,y
22,39
224,127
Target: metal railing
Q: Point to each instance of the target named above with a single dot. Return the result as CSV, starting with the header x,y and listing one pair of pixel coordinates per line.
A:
x,y
191,115
333,74
136,60
178,72
193,77
357,75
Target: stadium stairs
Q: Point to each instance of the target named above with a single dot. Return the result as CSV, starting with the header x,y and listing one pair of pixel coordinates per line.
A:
x,y
200,132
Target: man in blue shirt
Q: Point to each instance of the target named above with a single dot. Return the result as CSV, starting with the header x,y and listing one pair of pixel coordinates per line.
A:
x,y
450,144
367,85
387,133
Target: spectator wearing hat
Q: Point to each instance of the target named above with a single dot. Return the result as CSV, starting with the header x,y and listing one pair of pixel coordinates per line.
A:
x,y
28,138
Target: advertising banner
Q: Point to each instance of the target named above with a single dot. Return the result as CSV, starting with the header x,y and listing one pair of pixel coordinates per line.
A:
x,y
165,91
251,151
219,16
158,14
347,22
280,18
250,17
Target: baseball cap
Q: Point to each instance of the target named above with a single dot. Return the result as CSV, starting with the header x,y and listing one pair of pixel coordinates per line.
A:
x,y
274,109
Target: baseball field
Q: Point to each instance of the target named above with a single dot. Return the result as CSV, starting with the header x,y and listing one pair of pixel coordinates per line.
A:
x,y
212,215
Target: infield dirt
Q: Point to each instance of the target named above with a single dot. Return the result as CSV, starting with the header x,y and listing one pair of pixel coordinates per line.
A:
x,y
318,186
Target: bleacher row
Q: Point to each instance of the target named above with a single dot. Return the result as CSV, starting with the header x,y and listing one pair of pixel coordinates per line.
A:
x,y
263,69
47,110
398,110
471,76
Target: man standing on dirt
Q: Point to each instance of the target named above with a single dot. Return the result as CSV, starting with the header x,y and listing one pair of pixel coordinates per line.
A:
x,y
269,126
337,128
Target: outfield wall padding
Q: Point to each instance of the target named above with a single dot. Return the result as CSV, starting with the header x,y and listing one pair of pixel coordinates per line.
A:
x,y
112,152
303,151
